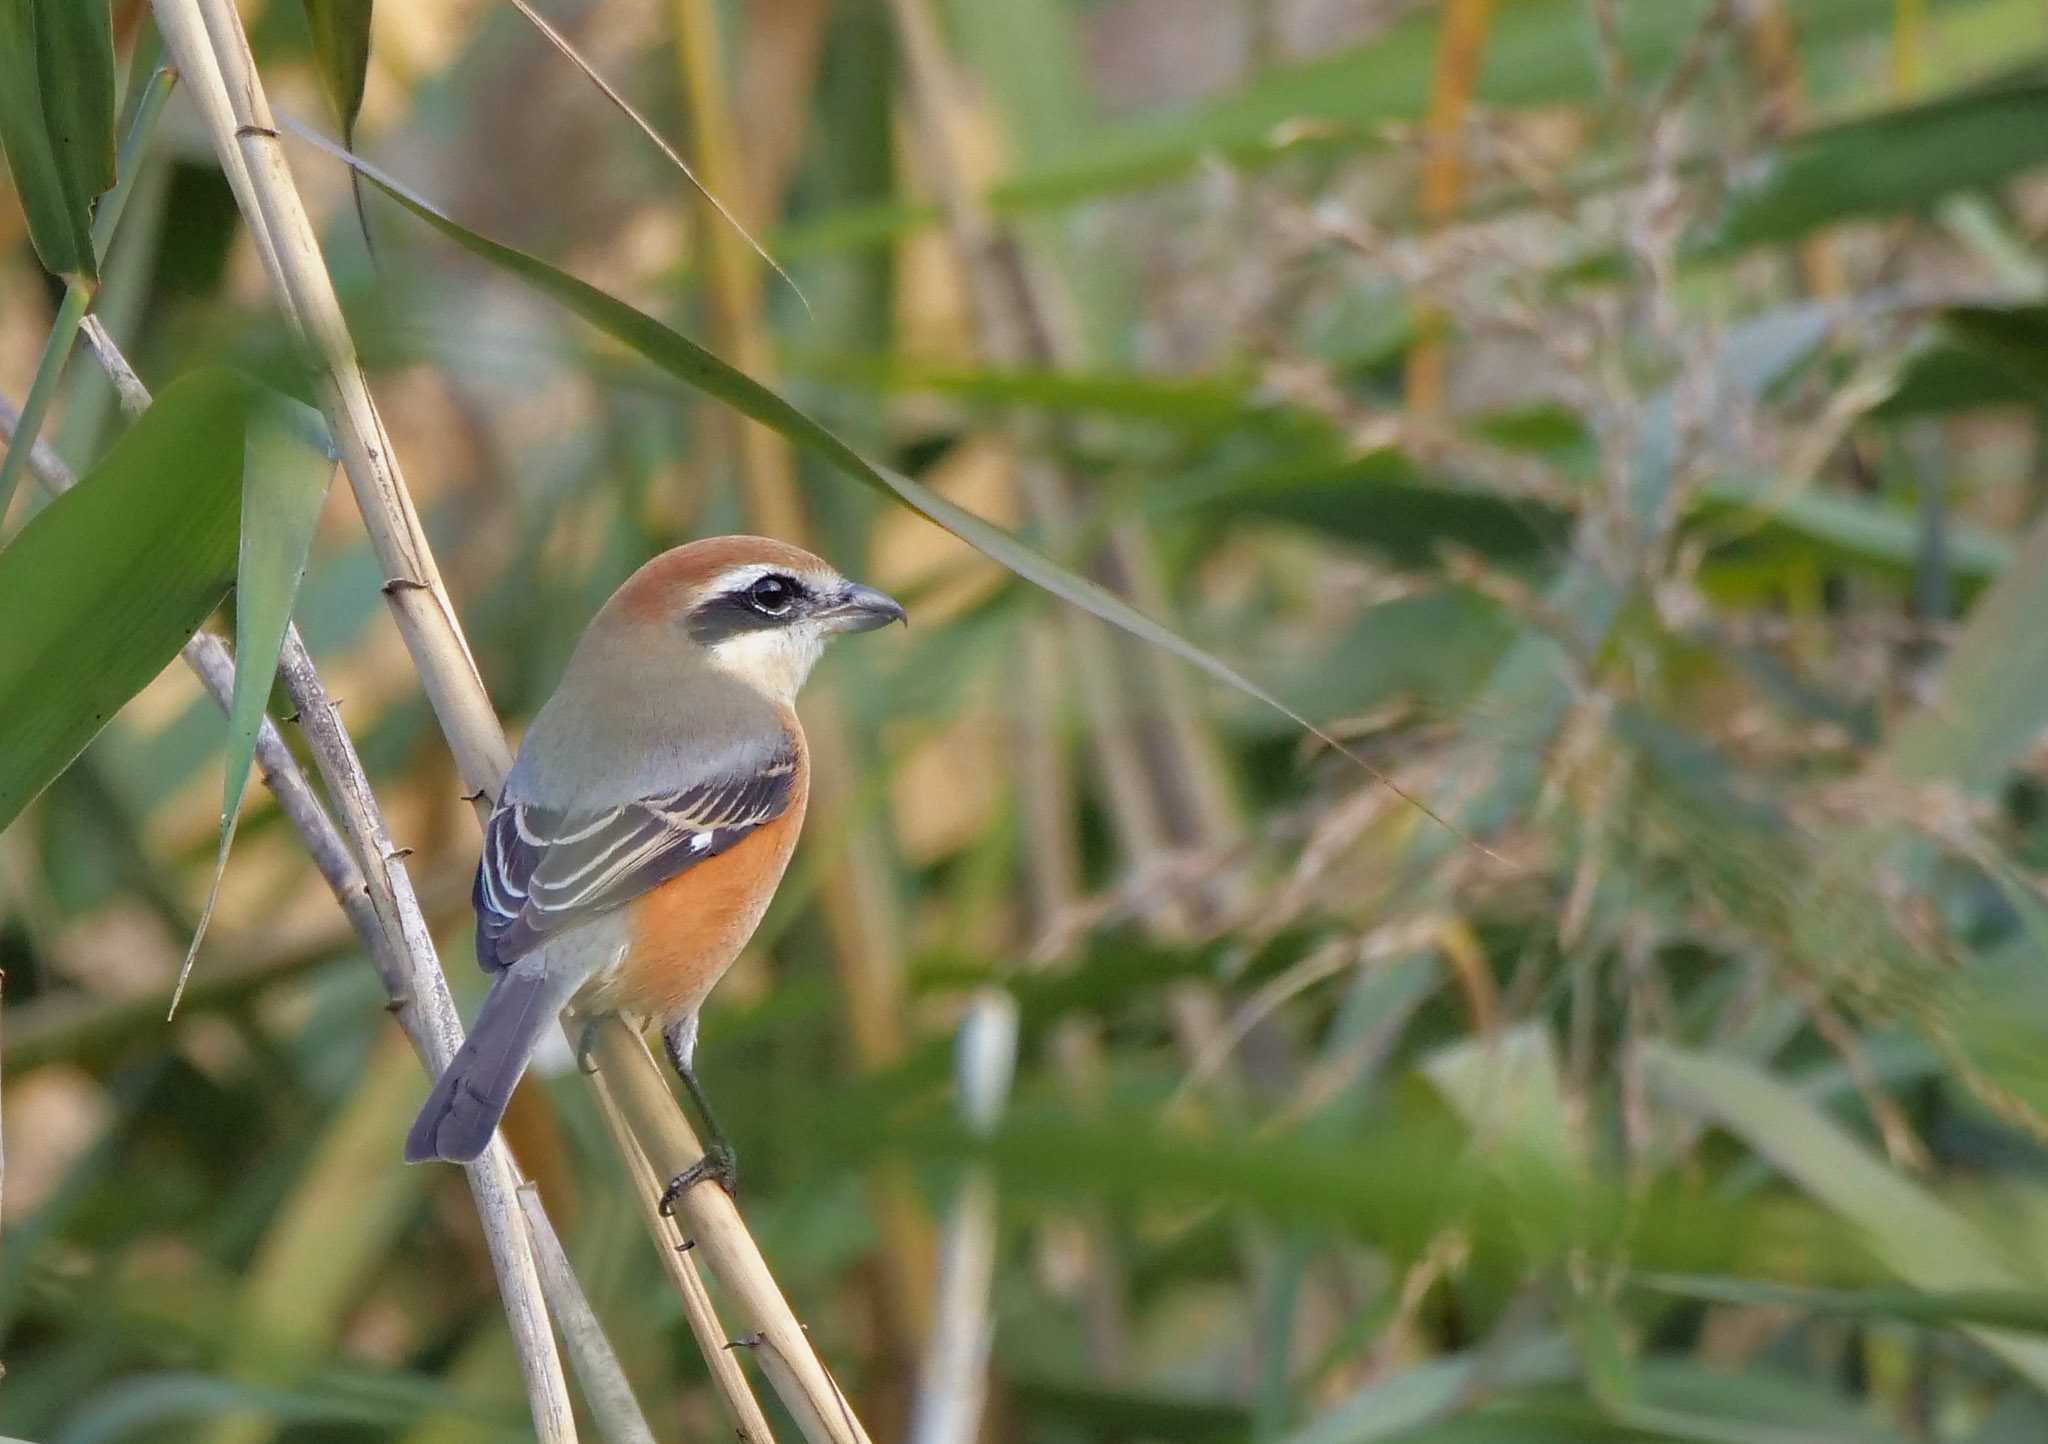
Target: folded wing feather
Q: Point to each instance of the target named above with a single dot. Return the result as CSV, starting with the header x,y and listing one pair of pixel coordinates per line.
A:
x,y
544,870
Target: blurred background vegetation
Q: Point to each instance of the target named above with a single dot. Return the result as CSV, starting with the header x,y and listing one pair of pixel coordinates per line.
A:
x,y
1621,422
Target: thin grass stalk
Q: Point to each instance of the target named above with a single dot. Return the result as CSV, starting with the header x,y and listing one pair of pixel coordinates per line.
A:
x,y
858,895
1461,46
780,1344
206,38
953,1384
376,892
605,1387
418,985
728,1379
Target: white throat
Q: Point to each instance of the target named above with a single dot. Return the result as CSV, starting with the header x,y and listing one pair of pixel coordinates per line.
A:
x,y
775,661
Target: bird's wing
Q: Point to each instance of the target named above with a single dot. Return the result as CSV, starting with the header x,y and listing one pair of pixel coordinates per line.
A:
x,y
545,869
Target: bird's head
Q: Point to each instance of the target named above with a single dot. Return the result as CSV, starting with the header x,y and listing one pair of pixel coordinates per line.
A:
x,y
758,609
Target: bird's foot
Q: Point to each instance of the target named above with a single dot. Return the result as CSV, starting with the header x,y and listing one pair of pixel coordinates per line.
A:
x,y
718,1165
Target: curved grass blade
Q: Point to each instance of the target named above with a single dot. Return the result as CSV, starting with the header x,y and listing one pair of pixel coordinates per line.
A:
x,y
287,463
341,53
57,122
2023,1310
1918,1236
568,52
689,362
105,585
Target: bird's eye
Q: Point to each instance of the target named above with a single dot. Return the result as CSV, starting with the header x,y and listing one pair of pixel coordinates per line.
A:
x,y
772,596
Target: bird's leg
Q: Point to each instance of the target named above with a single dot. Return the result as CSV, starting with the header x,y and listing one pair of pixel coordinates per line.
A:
x,y
719,1163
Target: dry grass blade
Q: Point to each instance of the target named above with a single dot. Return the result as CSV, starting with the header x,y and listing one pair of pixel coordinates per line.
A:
x,y
625,108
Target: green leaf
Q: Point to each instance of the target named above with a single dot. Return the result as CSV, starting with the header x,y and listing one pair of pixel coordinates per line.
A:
x,y
57,122
1917,1236
1103,1412
1682,1399
287,463
691,363
2014,337
2025,1310
1834,528
341,52
1385,503
1900,160
107,583
1539,53
1435,1390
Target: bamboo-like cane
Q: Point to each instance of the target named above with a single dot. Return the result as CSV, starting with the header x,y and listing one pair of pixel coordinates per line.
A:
x,y
778,1340
605,1388
749,1425
212,50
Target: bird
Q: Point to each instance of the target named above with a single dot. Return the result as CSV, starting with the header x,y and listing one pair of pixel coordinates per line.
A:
x,y
647,819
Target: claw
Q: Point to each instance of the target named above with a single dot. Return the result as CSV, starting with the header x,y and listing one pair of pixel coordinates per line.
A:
x,y
717,1166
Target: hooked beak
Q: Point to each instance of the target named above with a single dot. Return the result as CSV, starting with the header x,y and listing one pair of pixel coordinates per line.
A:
x,y
862,609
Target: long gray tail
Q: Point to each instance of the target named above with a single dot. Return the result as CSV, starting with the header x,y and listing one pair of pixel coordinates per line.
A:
x,y
462,1112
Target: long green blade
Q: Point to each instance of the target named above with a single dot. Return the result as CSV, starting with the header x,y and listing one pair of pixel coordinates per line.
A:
x,y
105,585
341,53
57,122
691,363
287,464
1918,1236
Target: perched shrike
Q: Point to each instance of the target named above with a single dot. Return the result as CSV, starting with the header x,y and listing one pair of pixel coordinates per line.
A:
x,y
648,818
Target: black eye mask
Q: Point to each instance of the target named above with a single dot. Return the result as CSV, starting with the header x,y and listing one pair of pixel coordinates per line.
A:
x,y
734,613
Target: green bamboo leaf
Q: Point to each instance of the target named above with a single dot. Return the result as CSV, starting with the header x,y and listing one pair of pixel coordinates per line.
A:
x,y
1918,1237
341,53
105,585
287,463
57,122
691,363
